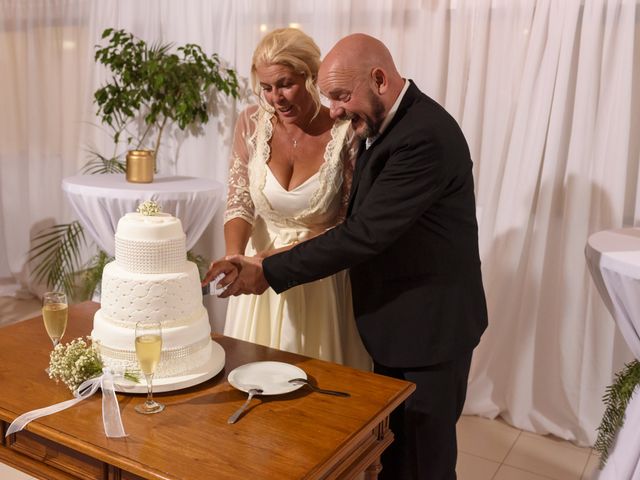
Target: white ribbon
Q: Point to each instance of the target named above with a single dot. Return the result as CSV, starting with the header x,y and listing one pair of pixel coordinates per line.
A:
x,y
283,236
111,419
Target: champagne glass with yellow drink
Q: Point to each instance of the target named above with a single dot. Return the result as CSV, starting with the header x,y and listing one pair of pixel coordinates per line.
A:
x,y
148,348
55,313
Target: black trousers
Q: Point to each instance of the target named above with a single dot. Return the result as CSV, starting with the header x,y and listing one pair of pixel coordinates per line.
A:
x,y
424,426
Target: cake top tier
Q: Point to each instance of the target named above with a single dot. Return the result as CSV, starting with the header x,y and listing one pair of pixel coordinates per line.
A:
x,y
158,227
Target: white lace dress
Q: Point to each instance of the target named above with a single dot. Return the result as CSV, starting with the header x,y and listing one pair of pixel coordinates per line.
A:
x,y
314,319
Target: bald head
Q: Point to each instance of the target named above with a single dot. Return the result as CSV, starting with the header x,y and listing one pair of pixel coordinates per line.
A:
x,y
361,81
361,52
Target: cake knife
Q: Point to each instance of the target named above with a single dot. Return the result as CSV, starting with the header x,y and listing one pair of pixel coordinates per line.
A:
x,y
211,288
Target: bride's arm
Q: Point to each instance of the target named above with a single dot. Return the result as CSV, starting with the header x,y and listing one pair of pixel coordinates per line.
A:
x,y
240,212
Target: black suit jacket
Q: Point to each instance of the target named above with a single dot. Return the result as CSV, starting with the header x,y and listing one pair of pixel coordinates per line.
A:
x,y
410,241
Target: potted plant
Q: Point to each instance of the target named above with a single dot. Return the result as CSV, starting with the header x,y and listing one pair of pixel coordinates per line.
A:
x,y
151,87
152,83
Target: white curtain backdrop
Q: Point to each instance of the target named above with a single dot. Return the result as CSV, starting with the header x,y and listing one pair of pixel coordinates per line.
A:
x,y
544,91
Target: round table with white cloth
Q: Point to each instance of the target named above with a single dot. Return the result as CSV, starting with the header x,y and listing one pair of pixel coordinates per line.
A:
x,y
613,257
100,200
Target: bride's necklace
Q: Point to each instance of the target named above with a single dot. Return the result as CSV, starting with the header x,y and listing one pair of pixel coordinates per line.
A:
x,y
294,140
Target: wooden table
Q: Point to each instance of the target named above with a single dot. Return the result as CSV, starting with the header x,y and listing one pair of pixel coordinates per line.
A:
x,y
297,435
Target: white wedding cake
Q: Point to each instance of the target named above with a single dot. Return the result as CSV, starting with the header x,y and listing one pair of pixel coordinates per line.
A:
x,y
152,279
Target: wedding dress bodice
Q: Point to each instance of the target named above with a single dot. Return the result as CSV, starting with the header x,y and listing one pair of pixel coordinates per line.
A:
x,y
256,196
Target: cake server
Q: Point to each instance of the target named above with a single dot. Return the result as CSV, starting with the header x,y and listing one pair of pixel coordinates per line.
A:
x,y
253,390
211,288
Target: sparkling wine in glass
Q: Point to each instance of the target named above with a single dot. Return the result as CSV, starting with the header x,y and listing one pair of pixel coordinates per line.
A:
x,y
55,312
148,348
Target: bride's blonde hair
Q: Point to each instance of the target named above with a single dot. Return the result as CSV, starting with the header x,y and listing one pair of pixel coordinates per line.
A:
x,y
293,48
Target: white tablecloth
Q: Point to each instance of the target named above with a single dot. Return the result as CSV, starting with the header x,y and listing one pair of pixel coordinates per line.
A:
x,y
613,257
100,200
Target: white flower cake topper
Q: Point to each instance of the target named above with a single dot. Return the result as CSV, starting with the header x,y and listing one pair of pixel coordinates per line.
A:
x,y
149,208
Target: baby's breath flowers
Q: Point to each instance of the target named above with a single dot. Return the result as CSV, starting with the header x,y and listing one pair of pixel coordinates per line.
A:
x,y
77,361
149,208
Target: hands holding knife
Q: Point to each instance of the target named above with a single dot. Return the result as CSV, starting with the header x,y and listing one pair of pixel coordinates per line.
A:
x,y
236,275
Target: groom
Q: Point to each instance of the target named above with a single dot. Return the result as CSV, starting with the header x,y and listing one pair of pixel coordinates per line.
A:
x,y
410,244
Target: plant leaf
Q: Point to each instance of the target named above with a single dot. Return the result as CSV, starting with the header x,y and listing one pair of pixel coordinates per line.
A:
x,y
58,249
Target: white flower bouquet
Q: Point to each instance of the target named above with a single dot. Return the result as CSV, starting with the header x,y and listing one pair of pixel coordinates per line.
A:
x,y
77,361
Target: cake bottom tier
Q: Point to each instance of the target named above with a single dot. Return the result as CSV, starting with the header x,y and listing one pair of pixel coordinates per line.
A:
x,y
185,348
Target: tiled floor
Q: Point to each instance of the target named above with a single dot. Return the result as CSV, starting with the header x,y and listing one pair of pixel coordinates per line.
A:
x,y
13,309
488,449
494,450
8,473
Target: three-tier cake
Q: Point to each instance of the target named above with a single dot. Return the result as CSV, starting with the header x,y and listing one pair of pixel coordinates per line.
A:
x,y
151,278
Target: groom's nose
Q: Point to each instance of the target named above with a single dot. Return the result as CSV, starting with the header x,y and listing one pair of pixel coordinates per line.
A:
x,y
336,110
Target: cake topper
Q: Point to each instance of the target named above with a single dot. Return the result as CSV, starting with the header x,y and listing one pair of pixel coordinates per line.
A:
x,y
149,208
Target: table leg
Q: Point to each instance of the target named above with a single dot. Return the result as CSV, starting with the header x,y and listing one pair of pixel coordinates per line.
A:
x,y
372,471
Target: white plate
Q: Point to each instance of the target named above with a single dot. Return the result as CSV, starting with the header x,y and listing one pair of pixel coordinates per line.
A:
x,y
169,384
272,377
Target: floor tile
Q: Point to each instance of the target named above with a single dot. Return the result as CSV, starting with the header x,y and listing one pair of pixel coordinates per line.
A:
x,y
13,310
591,470
506,472
548,456
489,439
470,467
9,473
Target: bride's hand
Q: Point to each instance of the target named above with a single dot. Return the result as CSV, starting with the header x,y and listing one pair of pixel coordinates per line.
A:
x,y
218,267
250,277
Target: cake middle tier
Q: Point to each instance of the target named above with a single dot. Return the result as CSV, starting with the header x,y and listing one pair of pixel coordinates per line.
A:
x,y
170,298
186,346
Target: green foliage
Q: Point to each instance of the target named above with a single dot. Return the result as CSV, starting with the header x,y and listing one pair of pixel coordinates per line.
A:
x,y
151,81
101,164
201,262
92,275
616,399
58,251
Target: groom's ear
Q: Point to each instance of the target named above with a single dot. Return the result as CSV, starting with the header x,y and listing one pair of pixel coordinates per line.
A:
x,y
380,82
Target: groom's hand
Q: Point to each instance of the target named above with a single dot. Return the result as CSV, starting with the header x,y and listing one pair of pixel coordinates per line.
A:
x,y
250,278
224,268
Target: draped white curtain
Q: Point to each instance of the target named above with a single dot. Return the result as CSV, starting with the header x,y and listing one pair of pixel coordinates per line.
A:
x,y
44,48
544,91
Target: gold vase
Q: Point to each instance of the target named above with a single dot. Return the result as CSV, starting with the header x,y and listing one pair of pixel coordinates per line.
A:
x,y
140,166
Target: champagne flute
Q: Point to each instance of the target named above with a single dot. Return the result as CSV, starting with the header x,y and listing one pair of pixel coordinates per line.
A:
x,y
55,313
148,348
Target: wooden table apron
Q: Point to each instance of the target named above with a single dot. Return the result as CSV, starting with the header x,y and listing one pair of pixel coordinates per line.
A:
x,y
297,435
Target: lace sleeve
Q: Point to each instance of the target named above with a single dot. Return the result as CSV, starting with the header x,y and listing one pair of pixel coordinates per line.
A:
x,y
239,202
349,152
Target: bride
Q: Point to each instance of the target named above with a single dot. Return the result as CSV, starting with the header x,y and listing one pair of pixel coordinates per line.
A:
x,y
289,179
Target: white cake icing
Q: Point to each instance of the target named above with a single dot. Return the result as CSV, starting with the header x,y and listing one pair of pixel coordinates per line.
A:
x,y
150,244
167,297
152,279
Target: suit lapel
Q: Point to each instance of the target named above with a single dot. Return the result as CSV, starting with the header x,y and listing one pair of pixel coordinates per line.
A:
x,y
361,160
